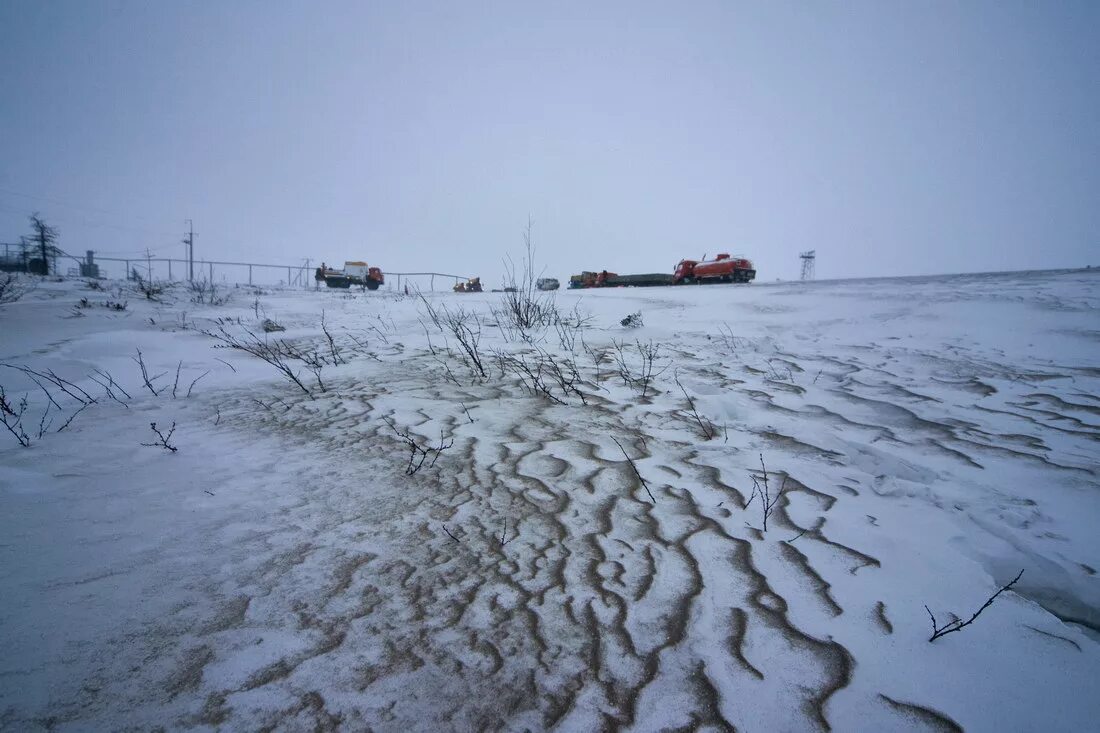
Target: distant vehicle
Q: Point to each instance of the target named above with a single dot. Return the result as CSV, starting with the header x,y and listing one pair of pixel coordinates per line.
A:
x,y
473,285
355,273
607,279
722,269
547,283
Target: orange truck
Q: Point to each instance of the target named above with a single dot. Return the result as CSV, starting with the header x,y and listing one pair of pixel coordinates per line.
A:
x,y
723,268
355,273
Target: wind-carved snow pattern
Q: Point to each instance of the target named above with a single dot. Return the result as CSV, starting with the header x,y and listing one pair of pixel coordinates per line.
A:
x,y
283,572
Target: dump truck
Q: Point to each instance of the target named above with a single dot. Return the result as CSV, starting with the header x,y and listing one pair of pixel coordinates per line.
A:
x,y
355,273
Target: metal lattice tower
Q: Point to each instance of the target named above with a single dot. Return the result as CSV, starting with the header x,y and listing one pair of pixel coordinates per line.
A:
x,y
808,259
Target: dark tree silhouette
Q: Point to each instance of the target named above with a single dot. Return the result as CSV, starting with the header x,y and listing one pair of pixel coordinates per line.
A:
x,y
45,236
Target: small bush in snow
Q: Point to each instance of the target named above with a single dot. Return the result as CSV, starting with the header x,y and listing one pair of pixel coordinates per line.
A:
x,y
525,306
418,453
762,489
279,354
639,373
62,396
205,292
151,289
162,438
12,288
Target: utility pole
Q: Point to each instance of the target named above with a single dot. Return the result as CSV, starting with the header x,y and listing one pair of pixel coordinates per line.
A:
x,y
148,265
190,242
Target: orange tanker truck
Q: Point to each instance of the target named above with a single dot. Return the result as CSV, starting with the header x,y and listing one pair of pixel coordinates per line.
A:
x,y
722,269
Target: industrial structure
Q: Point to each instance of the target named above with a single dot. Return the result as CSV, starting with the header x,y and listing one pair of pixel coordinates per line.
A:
x,y
808,259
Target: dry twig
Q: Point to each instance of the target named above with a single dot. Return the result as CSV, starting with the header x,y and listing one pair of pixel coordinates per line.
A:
x,y
957,624
636,471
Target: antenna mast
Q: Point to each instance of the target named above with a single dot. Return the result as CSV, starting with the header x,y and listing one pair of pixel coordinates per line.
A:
x,y
808,259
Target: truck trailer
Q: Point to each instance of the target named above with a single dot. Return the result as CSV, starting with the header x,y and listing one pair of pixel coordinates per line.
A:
x,y
722,269
355,273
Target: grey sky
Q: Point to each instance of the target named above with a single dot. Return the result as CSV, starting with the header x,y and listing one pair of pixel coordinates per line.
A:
x,y
892,137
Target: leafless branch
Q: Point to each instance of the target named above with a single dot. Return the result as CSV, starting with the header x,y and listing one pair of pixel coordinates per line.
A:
x,y
176,384
637,473
761,488
957,624
145,373
419,454
334,350
162,438
705,426
196,381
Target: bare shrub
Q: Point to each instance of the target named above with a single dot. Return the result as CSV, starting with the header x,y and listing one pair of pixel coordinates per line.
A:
x,y
641,372
525,307
278,354
732,344
113,305
570,328
11,414
150,289
762,489
465,326
433,314
205,292
599,357
334,351
162,438
145,378
420,453
634,320
107,382
13,288
542,372
63,399
781,373
270,326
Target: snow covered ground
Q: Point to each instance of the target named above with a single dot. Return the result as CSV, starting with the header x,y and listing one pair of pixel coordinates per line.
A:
x,y
925,439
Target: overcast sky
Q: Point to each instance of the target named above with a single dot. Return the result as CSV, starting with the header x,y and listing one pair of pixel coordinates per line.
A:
x,y
892,137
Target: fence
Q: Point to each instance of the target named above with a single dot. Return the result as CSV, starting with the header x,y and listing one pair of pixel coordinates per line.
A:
x,y
252,273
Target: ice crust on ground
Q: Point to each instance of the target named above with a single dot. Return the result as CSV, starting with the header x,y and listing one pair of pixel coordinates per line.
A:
x,y
281,571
